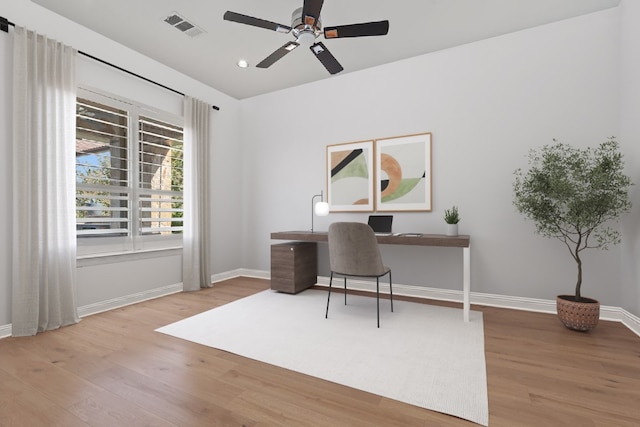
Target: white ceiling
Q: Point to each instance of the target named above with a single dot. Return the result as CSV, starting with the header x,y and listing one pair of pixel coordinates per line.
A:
x,y
415,27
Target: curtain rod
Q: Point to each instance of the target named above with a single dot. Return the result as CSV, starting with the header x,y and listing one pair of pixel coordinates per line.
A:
x,y
4,26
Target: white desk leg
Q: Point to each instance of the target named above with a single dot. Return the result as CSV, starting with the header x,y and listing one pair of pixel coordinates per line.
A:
x,y
466,281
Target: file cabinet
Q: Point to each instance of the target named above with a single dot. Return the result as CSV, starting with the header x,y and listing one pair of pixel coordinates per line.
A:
x,y
293,266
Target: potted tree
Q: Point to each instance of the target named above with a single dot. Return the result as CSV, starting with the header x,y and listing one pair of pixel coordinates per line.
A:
x,y
452,218
572,195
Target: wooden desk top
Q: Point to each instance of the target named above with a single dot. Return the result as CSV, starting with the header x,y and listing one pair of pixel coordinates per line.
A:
x,y
460,241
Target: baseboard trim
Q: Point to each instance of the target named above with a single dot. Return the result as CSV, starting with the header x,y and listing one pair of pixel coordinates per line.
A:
x,y
500,301
241,272
631,321
102,306
618,314
5,331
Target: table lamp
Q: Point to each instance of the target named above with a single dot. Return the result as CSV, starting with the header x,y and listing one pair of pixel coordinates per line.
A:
x,y
321,208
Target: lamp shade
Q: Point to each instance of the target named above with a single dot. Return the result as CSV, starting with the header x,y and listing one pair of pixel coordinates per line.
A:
x,y
322,209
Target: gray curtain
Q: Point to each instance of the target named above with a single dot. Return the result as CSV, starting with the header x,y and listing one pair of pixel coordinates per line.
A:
x,y
44,241
196,252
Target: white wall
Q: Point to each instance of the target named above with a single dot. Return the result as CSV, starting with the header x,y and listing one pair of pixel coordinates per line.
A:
x,y
486,104
630,138
121,277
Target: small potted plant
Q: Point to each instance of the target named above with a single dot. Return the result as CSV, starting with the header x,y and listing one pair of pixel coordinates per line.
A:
x,y
452,218
572,195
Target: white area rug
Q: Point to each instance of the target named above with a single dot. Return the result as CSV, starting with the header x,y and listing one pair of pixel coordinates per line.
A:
x,y
423,355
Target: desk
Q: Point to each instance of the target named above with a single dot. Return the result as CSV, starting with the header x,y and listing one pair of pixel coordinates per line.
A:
x,y
461,241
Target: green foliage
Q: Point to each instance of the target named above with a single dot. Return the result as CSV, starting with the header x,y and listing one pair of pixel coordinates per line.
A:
x,y
571,194
451,216
100,175
177,177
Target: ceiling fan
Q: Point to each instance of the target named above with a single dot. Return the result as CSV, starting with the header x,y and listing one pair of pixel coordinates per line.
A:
x,y
306,27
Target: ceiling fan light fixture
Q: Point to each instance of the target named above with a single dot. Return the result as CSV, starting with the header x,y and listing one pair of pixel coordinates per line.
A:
x,y
306,38
306,27
242,63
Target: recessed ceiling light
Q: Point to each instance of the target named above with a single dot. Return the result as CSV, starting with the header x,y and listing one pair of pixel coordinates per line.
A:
x,y
242,63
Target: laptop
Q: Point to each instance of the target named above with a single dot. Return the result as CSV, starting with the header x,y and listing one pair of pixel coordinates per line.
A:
x,y
381,224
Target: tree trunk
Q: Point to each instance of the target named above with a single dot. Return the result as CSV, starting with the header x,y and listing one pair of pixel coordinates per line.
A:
x,y
576,256
579,283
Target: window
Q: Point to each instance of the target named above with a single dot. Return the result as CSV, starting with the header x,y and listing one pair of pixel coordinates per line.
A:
x,y
129,176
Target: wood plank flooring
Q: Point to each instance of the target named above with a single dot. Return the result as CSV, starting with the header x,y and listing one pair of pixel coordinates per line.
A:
x,y
112,369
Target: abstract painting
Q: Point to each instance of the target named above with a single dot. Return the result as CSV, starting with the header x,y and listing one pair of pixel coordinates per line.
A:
x,y
350,177
403,173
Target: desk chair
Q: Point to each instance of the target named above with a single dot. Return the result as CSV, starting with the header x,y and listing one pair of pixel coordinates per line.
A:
x,y
353,251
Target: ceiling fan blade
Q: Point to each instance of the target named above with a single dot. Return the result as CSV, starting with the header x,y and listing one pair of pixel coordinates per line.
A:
x,y
278,54
378,28
311,11
256,22
328,60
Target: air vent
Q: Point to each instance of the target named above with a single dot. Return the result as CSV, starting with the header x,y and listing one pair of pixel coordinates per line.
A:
x,y
183,24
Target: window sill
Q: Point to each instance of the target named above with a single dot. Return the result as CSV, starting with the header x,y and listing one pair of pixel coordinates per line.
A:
x,y
112,258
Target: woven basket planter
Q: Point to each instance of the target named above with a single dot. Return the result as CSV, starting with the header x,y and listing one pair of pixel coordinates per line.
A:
x,y
579,316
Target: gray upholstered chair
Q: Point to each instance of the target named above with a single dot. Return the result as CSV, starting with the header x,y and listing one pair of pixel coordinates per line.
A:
x,y
353,251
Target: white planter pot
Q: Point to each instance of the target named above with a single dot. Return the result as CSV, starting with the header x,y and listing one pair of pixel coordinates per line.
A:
x,y
452,229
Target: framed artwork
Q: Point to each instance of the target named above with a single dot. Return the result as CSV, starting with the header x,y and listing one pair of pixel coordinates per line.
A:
x,y
350,177
403,173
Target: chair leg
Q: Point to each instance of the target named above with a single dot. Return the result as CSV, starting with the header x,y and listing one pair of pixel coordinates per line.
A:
x,y
378,298
326,314
391,291
345,290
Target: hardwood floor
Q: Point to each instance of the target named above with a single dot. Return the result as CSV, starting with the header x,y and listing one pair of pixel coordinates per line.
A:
x,y
112,369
